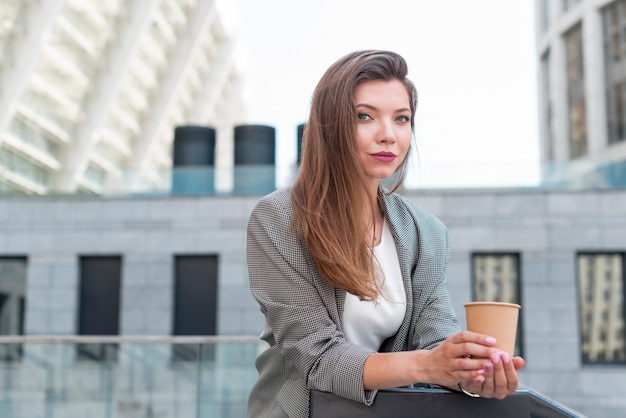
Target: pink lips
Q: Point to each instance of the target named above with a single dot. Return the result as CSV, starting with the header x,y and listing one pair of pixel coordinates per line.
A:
x,y
385,157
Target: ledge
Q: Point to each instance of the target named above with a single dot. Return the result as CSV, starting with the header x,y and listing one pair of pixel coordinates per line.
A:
x,y
435,403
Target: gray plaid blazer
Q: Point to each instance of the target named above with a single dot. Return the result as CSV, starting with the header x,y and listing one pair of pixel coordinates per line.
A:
x,y
304,329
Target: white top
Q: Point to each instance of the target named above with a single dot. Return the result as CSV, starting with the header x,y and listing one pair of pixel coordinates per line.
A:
x,y
367,323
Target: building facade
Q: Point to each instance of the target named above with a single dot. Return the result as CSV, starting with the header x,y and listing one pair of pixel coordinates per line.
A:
x,y
582,55
92,90
560,254
91,93
581,46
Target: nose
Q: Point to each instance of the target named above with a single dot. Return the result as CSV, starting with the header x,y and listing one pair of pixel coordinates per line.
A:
x,y
387,134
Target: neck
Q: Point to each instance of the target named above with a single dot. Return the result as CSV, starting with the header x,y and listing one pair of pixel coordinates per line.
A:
x,y
377,226
373,188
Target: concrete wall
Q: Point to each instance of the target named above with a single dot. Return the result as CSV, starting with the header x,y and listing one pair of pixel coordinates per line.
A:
x,y
546,228
147,233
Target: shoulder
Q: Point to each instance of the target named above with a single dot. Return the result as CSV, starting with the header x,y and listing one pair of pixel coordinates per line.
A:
x,y
276,204
415,228
402,208
272,215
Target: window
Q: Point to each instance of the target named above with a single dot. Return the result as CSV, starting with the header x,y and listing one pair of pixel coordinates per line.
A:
x,y
12,303
614,30
545,15
601,298
576,93
548,129
496,278
195,302
99,304
569,3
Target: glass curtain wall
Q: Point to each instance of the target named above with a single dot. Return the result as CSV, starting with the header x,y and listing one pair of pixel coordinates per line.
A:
x,y
614,29
576,93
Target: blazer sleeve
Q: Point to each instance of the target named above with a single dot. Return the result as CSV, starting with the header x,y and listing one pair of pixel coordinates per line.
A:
x,y
294,298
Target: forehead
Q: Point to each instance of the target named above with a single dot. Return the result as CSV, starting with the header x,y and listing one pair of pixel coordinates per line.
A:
x,y
392,92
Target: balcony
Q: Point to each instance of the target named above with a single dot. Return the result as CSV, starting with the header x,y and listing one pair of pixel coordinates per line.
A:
x,y
201,377
101,377
258,179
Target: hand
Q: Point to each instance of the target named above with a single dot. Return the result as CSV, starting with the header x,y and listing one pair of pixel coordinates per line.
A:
x,y
464,356
499,379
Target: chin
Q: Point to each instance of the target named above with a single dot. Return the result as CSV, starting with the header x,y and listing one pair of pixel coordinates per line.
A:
x,y
381,175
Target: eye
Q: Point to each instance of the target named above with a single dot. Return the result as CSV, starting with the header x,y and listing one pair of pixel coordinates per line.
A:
x,y
403,118
363,116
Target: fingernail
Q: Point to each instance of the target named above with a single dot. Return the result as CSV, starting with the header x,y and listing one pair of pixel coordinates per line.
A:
x,y
489,368
480,371
490,340
505,358
495,358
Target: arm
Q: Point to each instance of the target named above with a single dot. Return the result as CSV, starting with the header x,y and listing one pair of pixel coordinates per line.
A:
x,y
446,364
435,324
297,304
441,352
488,372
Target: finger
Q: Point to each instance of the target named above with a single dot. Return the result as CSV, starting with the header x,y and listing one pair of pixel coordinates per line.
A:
x,y
488,386
519,363
471,375
501,382
511,377
473,386
468,362
473,337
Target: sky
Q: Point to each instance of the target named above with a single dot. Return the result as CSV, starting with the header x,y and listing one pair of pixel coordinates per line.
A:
x,y
473,62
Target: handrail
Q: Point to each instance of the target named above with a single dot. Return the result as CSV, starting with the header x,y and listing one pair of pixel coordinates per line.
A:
x,y
131,339
137,374
435,403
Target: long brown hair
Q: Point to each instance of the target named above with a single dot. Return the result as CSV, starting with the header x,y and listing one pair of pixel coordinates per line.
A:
x,y
331,203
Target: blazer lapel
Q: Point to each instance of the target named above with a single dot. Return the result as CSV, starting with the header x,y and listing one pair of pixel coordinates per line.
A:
x,y
400,223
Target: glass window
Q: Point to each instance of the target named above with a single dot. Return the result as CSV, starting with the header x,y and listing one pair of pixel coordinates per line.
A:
x,y
23,167
569,3
545,15
99,304
12,303
546,98
576,93
614,30
496,278
195,301
601,298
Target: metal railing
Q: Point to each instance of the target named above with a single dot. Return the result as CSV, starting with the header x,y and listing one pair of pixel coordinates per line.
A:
x,y
439,403
192,376
126,377
262,179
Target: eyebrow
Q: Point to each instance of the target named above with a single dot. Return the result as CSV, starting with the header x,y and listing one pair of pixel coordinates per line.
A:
x,y
404,109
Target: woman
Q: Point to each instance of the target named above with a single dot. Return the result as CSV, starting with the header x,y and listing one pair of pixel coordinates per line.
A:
x,y
350,276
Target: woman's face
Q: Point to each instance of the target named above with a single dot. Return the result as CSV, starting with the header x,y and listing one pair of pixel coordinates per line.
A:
x,y
383,133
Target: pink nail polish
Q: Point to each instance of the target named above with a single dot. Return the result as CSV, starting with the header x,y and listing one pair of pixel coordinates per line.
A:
x,y
490,340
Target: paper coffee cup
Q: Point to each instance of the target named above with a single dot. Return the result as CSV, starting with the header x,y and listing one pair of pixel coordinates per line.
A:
x,y
496,319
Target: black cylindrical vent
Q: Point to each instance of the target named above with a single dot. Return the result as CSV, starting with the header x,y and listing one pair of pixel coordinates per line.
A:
x,y
254,144
300,134
193,160
254,159
194,146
